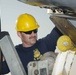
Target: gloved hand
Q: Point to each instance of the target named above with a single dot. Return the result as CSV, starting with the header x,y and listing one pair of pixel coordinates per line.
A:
x,y
64,43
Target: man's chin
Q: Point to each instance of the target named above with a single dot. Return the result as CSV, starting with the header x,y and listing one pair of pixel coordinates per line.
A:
x,y
33,42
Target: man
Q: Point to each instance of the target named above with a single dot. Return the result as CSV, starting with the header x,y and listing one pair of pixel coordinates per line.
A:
x,y
32,49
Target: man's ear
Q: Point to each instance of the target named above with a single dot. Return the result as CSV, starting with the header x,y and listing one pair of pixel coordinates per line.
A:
x,y
19,34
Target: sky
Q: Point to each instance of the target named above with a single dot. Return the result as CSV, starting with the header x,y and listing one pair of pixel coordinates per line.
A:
x,y
11,9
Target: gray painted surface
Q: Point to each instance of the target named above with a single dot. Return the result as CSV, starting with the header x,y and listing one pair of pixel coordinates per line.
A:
x,y
63,3
11,56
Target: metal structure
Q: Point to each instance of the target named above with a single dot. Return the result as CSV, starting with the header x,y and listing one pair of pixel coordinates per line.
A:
x,y
11,56
63,8
44,66
65,27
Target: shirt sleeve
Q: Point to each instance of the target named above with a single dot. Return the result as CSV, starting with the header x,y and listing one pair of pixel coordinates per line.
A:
x,y
5,68
51,39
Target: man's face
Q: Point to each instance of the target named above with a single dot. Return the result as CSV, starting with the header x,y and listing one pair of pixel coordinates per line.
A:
x,y
28,38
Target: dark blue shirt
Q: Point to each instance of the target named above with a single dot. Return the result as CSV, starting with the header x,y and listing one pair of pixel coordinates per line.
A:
x,y
33,53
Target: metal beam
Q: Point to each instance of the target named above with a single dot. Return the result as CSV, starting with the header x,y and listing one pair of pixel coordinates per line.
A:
x,y
52,3
11,56
65,27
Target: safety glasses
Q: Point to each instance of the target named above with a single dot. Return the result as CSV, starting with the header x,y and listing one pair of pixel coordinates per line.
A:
x,y
29,32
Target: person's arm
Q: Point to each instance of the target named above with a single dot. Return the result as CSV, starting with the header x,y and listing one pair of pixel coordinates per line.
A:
x,y
5,68
51,39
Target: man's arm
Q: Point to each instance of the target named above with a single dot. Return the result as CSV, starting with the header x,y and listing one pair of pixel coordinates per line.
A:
x,y
51,39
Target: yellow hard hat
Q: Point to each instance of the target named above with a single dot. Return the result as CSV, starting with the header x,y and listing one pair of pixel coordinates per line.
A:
x,y
64,43
26,22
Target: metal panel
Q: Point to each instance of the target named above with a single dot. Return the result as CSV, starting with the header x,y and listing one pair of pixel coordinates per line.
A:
x,y
11,56
63,3
67,8
65,27
2,34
